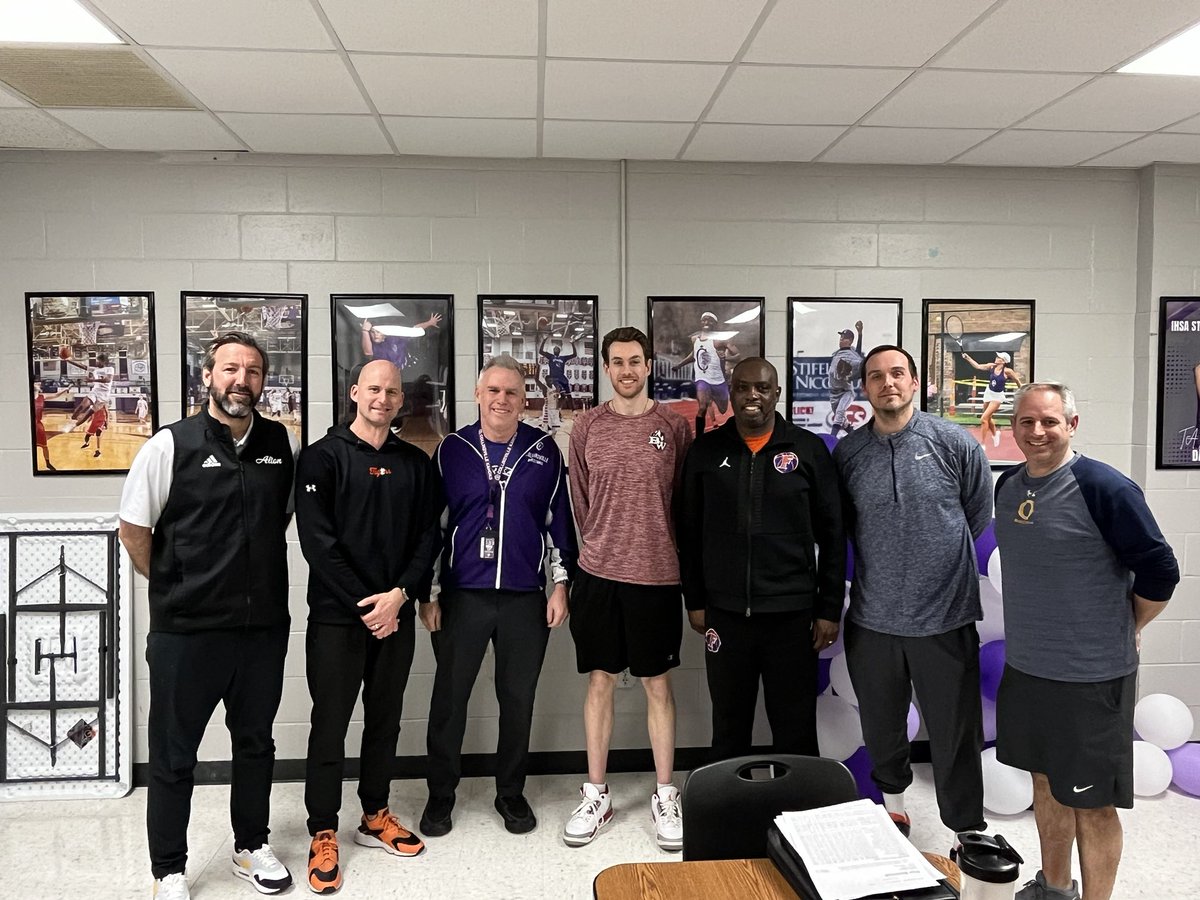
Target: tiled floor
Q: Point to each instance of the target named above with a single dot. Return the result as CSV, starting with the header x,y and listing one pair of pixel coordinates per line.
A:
x,y
86,849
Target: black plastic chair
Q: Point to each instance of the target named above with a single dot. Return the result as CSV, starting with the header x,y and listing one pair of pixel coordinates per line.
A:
x,y
728,805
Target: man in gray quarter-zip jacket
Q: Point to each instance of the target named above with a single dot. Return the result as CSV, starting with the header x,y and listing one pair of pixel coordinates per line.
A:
x,y
917,491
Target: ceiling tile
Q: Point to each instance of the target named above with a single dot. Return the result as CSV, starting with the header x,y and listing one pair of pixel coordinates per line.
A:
x,y
1068,35
777,95
613,140
904,146
624,91
280,82
463,137
33,128
861,32
494,27
1123,103
761,143
448,86
308,134
271,24
700,30
1172,148
135,129
935,99
1042,148
10,100
1187,126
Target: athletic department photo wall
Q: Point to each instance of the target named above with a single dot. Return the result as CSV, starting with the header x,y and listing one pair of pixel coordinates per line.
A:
x,y
827,340
279,324
413,331
977,353
1178,422
93,388
697,341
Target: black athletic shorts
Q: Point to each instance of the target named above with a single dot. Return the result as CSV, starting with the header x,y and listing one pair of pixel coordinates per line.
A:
x,y
1078,734
619,626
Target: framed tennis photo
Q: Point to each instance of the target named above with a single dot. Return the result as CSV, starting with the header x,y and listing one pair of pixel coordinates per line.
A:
x,y
977,353
553,337
827,340
1177,426
278,323
415,332
696,342
93,384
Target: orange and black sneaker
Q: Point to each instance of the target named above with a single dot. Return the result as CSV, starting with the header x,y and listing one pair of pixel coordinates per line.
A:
x,y
324,874
381,829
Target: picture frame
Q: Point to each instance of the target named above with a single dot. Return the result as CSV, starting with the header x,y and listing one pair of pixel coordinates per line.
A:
x,y
278,322
553,337
828,336
1177,421
959,384
416,333
93,380
692,362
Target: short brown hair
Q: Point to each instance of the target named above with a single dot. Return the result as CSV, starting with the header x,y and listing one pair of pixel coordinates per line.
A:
x,y
622,335
234,337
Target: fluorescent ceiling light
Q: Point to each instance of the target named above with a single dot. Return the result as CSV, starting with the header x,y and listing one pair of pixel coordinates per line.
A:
x,y
1178,56
741,318
51,22
1003,338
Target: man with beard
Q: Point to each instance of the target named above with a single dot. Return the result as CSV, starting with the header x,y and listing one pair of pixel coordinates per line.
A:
x,y
203,516
762,553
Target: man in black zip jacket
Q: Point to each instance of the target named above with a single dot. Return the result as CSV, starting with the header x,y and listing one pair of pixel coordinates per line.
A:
x,y
367,519
762,557
203,516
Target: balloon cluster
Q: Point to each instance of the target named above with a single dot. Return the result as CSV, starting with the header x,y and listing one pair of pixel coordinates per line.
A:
x,y
1163,755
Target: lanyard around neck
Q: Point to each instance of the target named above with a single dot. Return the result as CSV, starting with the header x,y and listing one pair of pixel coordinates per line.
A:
x,y
495,477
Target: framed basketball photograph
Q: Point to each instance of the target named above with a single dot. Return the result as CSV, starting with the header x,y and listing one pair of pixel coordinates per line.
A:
x,y
977,353
696,343
827,340
277,322
1177,426
553,337
415,332
93,384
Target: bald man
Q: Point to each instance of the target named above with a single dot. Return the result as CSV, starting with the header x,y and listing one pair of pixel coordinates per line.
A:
x,y
368,527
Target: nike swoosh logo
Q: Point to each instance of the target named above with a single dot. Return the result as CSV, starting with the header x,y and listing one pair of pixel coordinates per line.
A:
x,y
1080,790
924,455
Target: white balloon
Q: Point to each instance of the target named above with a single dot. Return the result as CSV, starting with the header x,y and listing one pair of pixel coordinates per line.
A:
x,y
993,574
1163,720
839,731
1006,791
989,718
991,627
1151,769
839,677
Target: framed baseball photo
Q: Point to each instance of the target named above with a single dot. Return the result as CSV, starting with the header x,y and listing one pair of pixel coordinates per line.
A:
x,y
278,323
977,353
696,342
827,340
1177,426
415,332
93,384
553,337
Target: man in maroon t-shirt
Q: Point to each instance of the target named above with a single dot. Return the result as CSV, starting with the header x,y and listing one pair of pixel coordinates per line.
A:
x,y
626,603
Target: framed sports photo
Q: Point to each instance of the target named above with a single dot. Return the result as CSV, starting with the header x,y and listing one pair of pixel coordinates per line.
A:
x,y
416,333
827,340
93,384
696,342
278,323
977,353
553,337
1177,426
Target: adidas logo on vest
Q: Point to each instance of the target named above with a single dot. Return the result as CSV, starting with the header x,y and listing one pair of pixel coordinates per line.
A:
x,y
210,463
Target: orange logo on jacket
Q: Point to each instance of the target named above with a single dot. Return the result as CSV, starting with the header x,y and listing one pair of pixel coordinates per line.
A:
x,y
379,471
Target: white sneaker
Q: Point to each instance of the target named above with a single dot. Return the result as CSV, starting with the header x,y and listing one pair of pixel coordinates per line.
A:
x,y
667,809
592,814
262,869
171,887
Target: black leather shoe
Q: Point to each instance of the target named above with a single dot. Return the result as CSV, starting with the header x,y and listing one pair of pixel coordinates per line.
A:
x,y
435,821
518,817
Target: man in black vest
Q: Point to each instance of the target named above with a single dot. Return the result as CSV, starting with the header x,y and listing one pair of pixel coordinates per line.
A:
x,y
203,516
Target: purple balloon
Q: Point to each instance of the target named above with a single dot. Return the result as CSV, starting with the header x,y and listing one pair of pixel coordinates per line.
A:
x,y
984,545
859,764
1185,766
823,674
849,561
991,667
914,721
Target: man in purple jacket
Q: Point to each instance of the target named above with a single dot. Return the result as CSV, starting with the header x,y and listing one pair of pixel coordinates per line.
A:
x,y
503,484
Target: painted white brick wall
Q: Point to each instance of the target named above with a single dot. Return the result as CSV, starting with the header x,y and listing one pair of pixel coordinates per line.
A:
x,y
1068,239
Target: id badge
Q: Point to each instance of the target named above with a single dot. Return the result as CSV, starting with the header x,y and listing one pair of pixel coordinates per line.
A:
x,y
487,544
